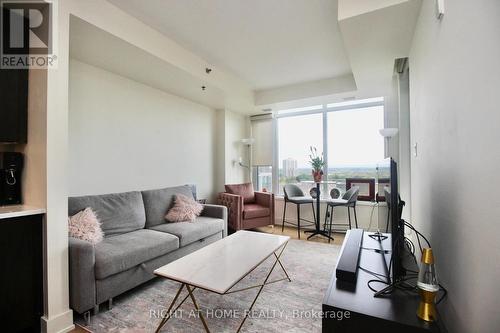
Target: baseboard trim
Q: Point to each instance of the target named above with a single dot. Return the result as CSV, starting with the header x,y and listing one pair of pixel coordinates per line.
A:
x,y
61,323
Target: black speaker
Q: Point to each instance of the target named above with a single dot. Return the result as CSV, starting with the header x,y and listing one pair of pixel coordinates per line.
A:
x,y
11,169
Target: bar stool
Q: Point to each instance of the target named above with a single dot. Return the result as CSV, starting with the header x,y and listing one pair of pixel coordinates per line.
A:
x,y
294,194
348,200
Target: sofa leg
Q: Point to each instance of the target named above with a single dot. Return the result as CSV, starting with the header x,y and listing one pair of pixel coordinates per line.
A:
x,y
96,309
110,303
86,317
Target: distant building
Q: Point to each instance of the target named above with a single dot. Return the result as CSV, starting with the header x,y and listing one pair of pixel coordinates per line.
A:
x,y
266,180
290,167
263,178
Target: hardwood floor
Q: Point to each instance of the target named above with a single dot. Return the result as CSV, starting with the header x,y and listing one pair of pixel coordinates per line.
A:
x,y
292,232
79,329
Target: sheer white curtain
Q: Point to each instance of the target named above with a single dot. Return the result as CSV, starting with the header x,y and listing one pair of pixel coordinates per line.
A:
x,y
262,148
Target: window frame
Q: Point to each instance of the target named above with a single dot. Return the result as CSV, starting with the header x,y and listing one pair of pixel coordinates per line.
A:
x,y
370,102
255,177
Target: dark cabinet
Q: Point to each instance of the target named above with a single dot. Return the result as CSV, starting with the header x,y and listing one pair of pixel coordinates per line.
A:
x,y
13,105
352,308
21,277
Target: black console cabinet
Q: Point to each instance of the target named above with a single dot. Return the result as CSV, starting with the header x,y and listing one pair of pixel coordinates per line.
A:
x,y
13,105
21,279
394,313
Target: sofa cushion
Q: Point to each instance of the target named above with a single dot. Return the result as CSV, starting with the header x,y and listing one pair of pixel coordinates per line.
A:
x,y
118,213
189,232
158,202
121,252
252,211
244,190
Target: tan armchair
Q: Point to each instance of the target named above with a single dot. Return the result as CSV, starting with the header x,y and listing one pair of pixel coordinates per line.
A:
x,y
247,209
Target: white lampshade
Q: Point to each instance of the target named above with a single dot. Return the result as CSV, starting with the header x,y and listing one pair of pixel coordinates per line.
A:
x,y
388,132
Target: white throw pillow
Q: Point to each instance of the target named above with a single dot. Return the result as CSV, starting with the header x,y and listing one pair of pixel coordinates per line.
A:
x,y
184,209
85,225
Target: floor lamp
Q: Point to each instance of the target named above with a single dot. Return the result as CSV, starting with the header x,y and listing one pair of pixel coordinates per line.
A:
x,y
388,133
247,142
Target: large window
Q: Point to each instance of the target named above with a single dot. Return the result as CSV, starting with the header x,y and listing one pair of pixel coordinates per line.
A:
x,y
347,132
355,145
262,177
296,134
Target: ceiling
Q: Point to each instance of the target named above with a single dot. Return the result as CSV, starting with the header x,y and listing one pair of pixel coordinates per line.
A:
x,y
266,43
97,47
374,37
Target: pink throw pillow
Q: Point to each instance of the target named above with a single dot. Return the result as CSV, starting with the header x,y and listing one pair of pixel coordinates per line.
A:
x,y
184,209
245,190
84,225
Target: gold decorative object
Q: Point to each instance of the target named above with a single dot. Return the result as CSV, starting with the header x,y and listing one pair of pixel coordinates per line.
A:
x,y
428,286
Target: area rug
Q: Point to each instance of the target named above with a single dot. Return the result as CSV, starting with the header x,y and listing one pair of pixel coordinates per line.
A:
x,y
281,307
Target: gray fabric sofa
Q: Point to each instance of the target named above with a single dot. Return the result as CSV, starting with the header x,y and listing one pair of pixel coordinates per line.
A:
x,y
137,241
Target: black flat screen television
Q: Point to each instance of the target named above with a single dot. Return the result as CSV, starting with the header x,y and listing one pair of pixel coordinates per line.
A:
x,y
390,211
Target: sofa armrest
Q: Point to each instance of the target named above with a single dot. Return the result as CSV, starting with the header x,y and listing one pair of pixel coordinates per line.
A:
x,y
81,275
265,199
234,204
216,211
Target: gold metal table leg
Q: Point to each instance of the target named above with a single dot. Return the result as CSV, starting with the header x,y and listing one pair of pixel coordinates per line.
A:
x,y
262,287
197,309
167,315
283,268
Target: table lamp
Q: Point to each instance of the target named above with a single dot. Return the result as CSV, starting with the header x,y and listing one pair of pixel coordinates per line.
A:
x,y
428,286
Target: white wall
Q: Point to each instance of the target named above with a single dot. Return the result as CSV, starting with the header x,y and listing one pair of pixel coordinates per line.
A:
x,y
455,119
126,136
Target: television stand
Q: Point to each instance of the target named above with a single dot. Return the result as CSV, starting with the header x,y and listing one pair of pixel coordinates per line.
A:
x,y
353,308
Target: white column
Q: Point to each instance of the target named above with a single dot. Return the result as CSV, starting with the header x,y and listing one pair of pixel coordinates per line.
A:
x,y
58,317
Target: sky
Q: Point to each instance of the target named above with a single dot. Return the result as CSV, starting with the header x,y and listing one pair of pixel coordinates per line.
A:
x,y
353,137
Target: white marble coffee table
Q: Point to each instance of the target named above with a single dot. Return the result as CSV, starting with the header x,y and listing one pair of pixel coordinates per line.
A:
x,y
219,266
